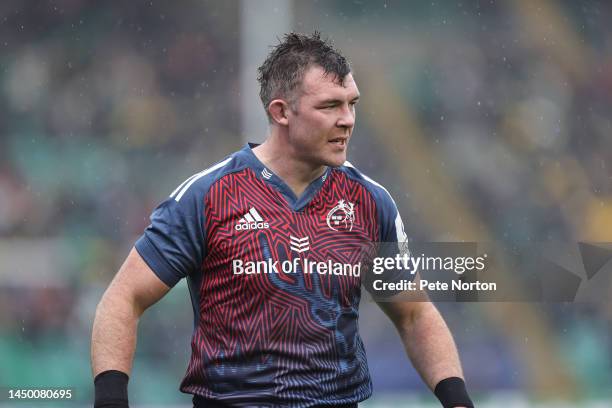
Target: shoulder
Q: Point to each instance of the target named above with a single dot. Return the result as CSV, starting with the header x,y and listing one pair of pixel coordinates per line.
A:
x,y
200,183
392,227
379,193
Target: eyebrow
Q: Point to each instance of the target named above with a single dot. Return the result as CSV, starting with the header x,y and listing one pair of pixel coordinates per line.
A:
x,y
335,100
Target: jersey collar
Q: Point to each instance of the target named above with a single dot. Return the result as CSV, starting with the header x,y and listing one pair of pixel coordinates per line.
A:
x,y
268,176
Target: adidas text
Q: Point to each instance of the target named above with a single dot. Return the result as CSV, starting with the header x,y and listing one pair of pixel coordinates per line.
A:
x,y
251,226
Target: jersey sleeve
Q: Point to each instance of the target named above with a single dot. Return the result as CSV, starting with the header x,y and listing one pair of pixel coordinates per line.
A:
x,y
393,238
393,242
391,225
173,245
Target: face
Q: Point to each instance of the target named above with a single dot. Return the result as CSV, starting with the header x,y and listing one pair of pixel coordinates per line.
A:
x,y
321,120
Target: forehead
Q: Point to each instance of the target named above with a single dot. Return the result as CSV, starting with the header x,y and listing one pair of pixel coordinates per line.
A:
x,y
320,85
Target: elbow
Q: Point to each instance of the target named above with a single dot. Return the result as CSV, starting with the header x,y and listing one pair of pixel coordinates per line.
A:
x,y
115,303
413,315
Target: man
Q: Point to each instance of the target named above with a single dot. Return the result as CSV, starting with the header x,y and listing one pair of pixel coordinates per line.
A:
x,y
269,240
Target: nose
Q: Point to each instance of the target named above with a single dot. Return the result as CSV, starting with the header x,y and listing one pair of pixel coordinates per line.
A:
x,y
347,117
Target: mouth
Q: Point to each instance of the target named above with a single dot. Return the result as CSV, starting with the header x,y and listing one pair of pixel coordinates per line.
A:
x,y
339,141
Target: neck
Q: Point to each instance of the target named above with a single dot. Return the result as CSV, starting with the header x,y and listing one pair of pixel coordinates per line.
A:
x,y
279,157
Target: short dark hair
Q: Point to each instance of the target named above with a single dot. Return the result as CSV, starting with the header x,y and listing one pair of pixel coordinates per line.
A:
x,y
282,72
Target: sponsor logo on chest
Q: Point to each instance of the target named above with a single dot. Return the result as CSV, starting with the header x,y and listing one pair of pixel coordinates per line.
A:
x,y
251,221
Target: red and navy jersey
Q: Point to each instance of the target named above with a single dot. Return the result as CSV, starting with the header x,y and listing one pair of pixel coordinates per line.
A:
x,y
274,280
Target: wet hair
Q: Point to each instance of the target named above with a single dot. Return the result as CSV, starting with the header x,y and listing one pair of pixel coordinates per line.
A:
x,y
281,74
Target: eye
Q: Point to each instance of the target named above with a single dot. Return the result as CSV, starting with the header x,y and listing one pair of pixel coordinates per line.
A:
x,y
327,107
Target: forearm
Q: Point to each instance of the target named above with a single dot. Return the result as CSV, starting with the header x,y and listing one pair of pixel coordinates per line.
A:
x,y
430,345
114,334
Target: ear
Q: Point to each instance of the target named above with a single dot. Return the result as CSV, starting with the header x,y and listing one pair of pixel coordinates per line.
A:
x,y
279,112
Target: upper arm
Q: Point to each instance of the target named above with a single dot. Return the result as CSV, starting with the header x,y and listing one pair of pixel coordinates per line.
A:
x,y
405,306
137,283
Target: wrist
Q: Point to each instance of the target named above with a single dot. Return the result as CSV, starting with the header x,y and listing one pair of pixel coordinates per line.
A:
x,y
452,393
111,389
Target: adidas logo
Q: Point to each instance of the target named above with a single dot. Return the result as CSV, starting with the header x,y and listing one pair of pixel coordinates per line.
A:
x,y
251,221
299,245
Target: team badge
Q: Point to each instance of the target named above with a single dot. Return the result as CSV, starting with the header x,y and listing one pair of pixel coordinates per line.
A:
x,y
343,213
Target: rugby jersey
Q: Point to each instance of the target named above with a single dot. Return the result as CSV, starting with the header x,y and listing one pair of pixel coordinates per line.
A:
x,y
275,279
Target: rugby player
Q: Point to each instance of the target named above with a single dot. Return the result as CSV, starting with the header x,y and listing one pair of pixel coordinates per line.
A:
x,y
269,240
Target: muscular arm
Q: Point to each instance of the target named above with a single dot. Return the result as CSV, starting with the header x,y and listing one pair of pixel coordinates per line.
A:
x,y
132,291
428,341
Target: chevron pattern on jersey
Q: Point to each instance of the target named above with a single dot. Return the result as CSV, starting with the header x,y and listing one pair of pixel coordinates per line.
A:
x,y
292,336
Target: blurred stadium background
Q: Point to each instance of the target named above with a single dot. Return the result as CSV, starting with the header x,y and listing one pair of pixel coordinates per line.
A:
x,y
487,120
